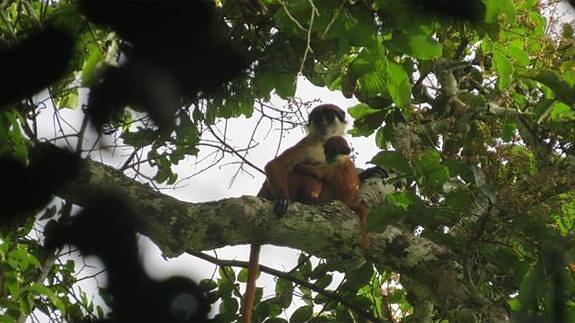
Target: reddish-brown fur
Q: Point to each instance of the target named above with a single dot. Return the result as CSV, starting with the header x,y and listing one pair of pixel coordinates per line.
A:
x,y
340,180
282,185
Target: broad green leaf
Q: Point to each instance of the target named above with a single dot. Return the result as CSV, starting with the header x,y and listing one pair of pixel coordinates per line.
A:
x,y
458,199
569,76
509,130
305,268
302,314
398,84
229,306
292,17
285,84
364,32
429,167
543,110
504,70
518,55
372,84
319,271
401,199
324,281
359,277
361,110
284,292
43,290
393,161
276,320
227,273
416,42
424,47
140,138
380,216
497,8
531,288
69,100
90,63
554,81
208,284
342,314
561,112
11,139
243,275
274,309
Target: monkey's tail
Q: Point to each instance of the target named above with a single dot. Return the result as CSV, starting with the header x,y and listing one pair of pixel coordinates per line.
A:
x,y
253,272
361,211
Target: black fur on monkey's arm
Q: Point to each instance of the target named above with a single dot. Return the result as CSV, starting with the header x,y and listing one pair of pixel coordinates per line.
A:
x,y
374,171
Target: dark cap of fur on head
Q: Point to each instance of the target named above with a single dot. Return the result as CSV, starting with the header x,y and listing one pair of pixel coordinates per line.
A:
x,y
326,109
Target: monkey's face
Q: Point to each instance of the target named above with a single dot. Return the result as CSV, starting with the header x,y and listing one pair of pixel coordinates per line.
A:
x,y
335,146
326,120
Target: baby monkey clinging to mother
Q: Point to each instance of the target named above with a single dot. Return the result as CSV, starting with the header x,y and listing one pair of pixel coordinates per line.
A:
x,y
315,170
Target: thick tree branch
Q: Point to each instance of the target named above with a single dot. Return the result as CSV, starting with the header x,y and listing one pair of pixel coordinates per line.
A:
x,y
331,232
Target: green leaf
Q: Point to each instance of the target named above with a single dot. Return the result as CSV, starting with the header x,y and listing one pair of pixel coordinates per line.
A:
x,y
434,174
304,266
424,47
359,277
208,284
504,70
319,271
139,139
372,84
518,55
324,281
227,273
276,320
69,100
13,137
285,84
508,131
398,84
561,112
364,32
90,63
563,91
402,200
229,307
458,199
243,275
531,288
543,110
284,292
495,8
302,314
393,161
342,314
361,110
43,290
382,215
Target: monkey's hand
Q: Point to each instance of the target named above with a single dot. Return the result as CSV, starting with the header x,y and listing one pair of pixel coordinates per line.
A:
x,y
281,206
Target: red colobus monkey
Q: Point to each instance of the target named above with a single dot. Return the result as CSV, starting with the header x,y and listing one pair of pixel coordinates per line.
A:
x,y
339,180
324,122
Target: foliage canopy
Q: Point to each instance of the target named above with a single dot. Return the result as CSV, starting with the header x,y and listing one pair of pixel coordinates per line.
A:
x,y
474,119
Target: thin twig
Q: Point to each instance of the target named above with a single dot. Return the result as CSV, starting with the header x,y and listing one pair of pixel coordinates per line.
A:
x,y
223,142
328,294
